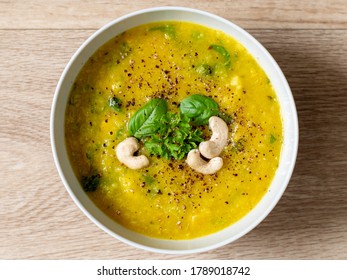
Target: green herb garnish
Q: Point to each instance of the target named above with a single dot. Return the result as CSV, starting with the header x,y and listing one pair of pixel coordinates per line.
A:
x,y
226,117
149,180
115,103
272,139
167,29
223,52
125,50
239,146
173,135
175,138
204,69
146,121
199,108
90,183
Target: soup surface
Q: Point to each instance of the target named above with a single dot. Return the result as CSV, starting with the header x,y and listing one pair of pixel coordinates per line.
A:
x,y
173,60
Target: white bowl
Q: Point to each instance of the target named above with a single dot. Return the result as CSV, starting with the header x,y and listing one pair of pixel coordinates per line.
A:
x,y
288,111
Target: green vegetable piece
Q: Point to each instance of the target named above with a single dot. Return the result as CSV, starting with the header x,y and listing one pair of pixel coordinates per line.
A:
x,y
199,108
146,121
197,35
167,29
239,146
115,103
223,52
89,155
226,117
125,50
149,180
272,139
91,183
204,69
120,132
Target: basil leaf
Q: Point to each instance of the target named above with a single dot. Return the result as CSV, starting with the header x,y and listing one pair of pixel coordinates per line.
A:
x,y
223,52
146,121
199,108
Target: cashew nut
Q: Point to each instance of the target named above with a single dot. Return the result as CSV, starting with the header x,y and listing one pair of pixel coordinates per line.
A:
x,y
195,161
125,154
219,139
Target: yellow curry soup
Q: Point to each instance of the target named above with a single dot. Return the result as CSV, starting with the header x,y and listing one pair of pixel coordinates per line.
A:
x,y
172,61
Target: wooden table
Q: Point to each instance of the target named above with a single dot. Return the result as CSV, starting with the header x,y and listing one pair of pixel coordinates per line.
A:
x,y
39,219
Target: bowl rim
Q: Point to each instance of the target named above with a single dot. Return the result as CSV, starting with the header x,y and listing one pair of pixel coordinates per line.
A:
x,y
267,55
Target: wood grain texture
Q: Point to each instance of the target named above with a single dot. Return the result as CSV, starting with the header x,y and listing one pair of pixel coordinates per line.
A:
x,y
40,221
248,14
